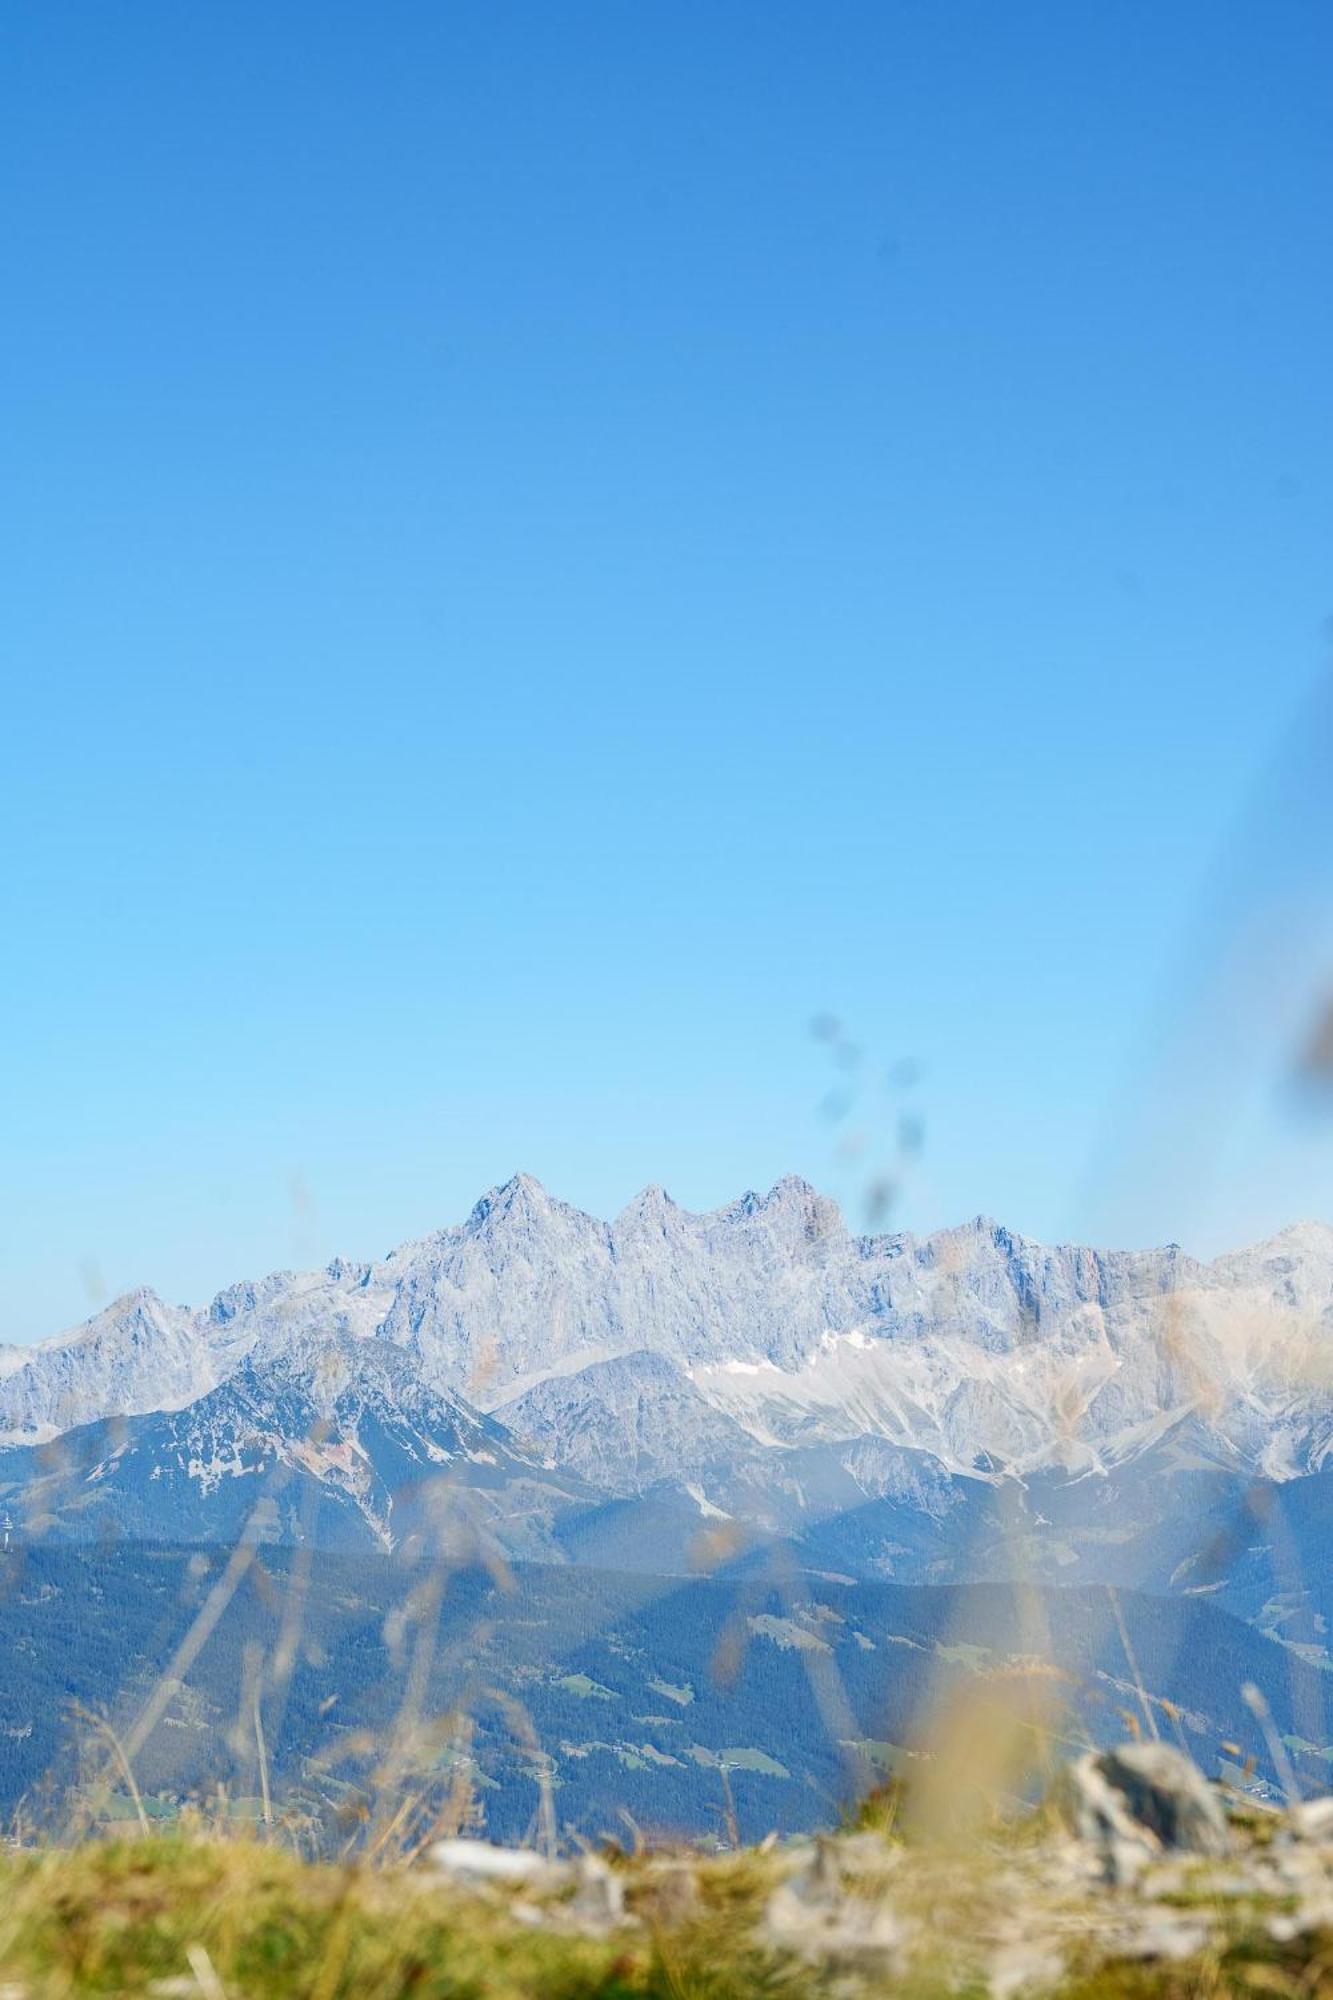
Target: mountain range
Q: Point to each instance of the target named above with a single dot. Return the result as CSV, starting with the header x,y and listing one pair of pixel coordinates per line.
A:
x,y
670,1389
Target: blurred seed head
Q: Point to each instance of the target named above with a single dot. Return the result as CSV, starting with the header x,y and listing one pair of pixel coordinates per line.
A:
x,y
981,1746
712,1547
880,1198
1314,1063
94,1284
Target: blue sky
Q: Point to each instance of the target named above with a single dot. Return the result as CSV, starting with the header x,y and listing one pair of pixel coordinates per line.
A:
x,y
547,546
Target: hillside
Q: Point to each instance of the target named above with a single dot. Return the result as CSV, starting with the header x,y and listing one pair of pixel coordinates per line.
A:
x,y
675,1701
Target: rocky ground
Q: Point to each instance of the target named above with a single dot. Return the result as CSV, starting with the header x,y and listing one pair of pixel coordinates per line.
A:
x,y
1136,1878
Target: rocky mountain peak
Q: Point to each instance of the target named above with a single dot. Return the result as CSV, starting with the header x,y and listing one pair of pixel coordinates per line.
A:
x,y
971,1344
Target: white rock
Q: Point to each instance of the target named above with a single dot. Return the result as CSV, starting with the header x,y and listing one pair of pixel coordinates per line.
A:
x,y
481,1862
599,1897
1313,1819
829,1908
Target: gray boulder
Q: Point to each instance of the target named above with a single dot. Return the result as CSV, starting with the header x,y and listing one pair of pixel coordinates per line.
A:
x,y
1141,1800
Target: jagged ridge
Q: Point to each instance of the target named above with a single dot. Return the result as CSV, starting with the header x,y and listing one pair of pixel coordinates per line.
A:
x,y
756,1356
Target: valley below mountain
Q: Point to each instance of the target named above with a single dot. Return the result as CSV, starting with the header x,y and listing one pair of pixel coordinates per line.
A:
x,y
686,1704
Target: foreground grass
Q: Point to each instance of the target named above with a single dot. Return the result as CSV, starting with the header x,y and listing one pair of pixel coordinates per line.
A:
x,y
176,1916
211,1918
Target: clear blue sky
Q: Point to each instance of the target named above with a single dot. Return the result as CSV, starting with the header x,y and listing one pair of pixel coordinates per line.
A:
x,y
546,545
